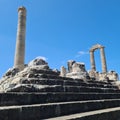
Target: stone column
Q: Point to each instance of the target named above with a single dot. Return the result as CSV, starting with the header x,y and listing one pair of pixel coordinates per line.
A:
x,y
20,40
92,60
103,60
63,71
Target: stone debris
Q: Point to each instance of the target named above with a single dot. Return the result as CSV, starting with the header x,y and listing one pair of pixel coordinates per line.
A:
x,y
37,61
70,63
76,70
14,79
11,72
109,76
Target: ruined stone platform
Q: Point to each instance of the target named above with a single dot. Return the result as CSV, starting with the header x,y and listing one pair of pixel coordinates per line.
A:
x,y
38,92
35,92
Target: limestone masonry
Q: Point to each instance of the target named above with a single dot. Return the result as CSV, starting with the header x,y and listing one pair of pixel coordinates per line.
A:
x,y
34,91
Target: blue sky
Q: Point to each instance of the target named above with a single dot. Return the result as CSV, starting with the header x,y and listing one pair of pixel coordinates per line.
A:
x,y
61,30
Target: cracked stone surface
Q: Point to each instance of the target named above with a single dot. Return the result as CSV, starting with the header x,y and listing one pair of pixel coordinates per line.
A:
x,y
15,80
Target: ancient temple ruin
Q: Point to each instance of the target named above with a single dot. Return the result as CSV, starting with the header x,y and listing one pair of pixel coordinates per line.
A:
x,y
103,58
78,70
36,92
104,75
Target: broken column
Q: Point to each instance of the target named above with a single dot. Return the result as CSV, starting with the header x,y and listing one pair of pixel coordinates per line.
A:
x,y
70,63
78,71
63,71
103,60
20,40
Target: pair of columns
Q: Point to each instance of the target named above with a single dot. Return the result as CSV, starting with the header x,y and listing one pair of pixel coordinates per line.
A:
x,y
103,59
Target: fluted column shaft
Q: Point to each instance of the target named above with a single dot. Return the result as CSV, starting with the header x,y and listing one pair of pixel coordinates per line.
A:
x,y
20,40
92,61
103,60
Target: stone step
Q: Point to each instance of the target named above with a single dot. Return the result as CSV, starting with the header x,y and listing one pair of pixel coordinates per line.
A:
x,y
96,81
64,82
44,111
87,84
104,114
56,77
59,88
90,89
34,71
7,99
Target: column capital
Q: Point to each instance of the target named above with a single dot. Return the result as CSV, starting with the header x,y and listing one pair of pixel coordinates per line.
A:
x,y
91,50
102,47
22,10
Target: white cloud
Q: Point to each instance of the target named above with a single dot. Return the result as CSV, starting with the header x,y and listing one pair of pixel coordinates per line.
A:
x,y
42,57
81,53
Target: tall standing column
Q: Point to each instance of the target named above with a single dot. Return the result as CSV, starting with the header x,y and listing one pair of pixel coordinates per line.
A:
x,y
92,60
20,40
103,60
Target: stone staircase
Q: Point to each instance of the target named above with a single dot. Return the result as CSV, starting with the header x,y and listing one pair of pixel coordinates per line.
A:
x,y
42,94
104,114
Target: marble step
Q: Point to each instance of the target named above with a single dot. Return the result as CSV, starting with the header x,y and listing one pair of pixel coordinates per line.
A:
x,y
68,82
56,77
7,99
49,110
104,114
59,88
